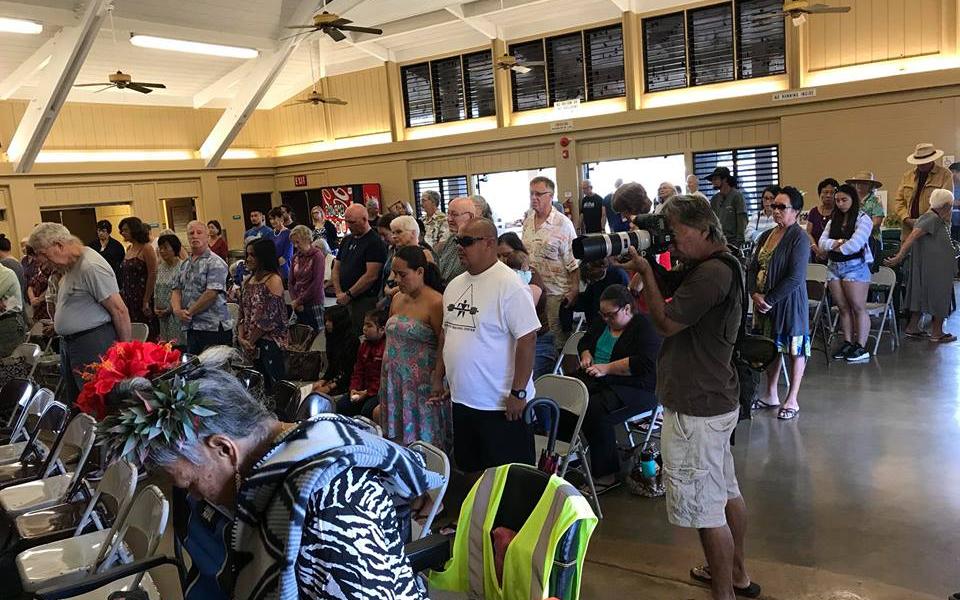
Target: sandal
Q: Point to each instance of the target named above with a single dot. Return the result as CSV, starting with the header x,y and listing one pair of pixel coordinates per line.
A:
x,y
917,335
760,405
786,414
944,339
702,574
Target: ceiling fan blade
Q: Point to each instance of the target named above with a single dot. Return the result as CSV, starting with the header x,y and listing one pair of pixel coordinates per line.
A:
x,y
357,29
521,69
339,22
302,33
103,89
533,63
822,9
336,34
138,88
150,85
301,27
336,101
91,84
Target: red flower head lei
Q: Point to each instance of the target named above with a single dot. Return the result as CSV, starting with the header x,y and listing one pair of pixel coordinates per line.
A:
x,y
124,360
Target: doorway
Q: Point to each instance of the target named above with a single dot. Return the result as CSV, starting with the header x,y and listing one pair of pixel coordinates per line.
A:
x,y
261,201
649,172
508,194
179,212
299,202
82,222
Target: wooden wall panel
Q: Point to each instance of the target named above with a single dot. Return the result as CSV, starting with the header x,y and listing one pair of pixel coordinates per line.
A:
x,y
6,223
189,188
737,136
878,30
831,144
79,195
368,109
441,167
512,160
109,126
631,147
10,113
257,132
298,124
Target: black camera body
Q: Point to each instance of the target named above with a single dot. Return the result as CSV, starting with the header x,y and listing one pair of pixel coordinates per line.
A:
x,y
652,236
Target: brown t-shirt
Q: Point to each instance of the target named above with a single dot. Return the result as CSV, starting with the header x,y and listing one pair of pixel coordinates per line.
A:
x,y
694,371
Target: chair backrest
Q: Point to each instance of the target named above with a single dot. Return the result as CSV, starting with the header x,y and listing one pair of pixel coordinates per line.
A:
x,y
571,396
49,427
73,447
17,394
42,398
301,337
111,497
139,332
286,399
569,349
817,273
327,268
885,277
315,404
436,461
136,535
250,378
234,309
28,352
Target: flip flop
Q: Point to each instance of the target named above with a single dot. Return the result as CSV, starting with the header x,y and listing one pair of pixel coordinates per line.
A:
x,y
760,405
944,339
787,414
917,335
702,574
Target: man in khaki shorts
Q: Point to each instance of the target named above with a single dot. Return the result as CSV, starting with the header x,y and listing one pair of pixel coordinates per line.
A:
x,y
698,387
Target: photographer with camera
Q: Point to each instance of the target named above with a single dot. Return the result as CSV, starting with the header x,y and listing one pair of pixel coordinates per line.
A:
x,y
698,387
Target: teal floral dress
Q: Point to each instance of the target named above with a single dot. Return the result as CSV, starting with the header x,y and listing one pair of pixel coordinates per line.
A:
x,y
170,325
408,360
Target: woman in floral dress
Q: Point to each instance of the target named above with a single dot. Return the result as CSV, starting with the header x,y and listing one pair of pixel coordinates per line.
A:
x,y
169,326
138,273
262,331
416,317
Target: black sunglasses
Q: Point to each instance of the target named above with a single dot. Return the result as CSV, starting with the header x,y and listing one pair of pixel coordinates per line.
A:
x,y
779,207
466,241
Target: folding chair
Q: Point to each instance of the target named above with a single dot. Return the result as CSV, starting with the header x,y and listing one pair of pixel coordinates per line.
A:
x,y
42,437
28,352
821,319
26,419
314,404
59,476
97,510
15,395
635,420
286,400
234,310
436,460
569,349
139,332
134,536
572,397
886,278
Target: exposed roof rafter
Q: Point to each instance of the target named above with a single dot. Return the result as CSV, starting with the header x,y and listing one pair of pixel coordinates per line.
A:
x,y
482,25
38,60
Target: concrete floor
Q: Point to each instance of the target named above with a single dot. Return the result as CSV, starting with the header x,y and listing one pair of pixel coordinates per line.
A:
x,y
860,495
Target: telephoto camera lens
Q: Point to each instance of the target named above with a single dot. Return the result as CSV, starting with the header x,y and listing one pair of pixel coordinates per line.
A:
x,y
601,245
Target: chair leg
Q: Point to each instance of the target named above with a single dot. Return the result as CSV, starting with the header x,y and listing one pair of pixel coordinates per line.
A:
x,y
585,459
653,421
786,373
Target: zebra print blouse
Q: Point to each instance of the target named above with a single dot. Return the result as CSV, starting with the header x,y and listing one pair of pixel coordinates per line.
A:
x,y
351,547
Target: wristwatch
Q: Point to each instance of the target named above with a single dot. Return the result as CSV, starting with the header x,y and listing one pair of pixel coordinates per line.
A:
x,y
521,394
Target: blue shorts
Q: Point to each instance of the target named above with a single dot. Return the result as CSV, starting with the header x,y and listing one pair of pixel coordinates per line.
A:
x,y
852,270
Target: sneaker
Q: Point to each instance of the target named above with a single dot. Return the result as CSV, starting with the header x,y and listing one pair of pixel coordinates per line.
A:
x,y
842,352
858,354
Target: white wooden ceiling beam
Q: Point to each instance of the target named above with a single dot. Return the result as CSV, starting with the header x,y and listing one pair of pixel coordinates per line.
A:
x,y
262,75
623,5
69,51
484,26
372,48
22,74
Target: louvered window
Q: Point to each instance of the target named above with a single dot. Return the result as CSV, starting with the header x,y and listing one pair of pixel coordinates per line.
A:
x,y
448,89
478,83
417,95
448,188
565,67
696,47
710,32
604,56
761,43
665,52
754,168
529,89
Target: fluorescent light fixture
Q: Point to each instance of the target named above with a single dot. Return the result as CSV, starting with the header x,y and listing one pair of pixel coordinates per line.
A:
x,y
719,91
349,142
19,26
159,43
453,128
242,153
585,109
80,156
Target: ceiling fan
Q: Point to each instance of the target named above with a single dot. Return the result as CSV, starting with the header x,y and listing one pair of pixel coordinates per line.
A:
x,y
798,10
315,98
333,25
509,62
122,81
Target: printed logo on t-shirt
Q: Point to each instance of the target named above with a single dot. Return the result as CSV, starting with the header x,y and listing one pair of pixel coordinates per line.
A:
x,y
462,314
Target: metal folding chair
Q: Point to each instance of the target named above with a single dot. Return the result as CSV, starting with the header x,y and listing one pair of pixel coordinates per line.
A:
x,y
569,349
885,278
139,332
821,319
436,460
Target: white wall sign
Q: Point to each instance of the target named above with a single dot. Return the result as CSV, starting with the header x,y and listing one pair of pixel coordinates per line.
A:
x,y
794,94
948,160
561,126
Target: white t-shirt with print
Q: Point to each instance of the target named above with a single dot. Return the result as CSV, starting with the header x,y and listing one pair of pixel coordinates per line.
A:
x,y
483,317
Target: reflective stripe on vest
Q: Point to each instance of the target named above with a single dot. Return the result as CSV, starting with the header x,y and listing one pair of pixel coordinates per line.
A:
x,y
539,558
476,538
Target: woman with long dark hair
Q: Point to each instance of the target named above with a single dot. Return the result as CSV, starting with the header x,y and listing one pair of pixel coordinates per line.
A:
x,y
845,241
413,330
138,272
262,329
218,243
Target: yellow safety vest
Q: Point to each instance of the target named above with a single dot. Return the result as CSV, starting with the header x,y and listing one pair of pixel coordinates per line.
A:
x,y
529,557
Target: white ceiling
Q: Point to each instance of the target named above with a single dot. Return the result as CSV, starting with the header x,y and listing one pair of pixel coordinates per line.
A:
x,y
413,29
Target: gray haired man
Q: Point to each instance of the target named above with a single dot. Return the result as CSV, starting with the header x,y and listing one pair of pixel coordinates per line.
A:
x,y
90,315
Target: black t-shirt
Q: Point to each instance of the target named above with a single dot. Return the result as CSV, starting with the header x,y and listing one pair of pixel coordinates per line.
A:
x,y
114,254
591,209
355,253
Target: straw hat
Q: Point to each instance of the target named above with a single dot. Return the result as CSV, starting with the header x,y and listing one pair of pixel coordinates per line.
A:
x,y
865,177
924,154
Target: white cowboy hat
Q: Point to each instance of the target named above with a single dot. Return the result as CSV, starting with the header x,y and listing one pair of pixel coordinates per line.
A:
x,y
865,177
923,154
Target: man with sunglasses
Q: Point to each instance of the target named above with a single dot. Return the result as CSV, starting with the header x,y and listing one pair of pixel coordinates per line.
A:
x,y
548,234
487,349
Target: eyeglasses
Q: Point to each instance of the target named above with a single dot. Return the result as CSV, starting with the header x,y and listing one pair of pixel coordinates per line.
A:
x,y
457,215
779,207
606,316
538,195
465,241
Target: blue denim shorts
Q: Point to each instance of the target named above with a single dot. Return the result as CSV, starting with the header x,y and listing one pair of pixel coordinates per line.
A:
x,y
852,270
